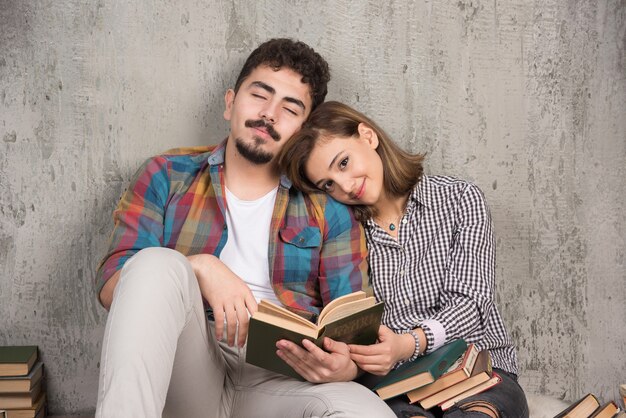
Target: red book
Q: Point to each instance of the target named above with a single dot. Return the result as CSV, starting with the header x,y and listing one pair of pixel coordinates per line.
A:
x,y
473,391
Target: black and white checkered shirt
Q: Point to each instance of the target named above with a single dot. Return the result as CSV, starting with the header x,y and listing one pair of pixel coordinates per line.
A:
x,y
440,274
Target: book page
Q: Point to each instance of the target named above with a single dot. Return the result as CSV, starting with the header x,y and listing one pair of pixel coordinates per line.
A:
x,y
276,311
287,323
340,300
345,309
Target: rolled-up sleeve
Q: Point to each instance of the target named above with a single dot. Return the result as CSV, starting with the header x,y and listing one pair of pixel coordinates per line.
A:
x,y
138,218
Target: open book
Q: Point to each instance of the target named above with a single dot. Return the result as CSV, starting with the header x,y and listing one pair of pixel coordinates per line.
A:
x,y
353,318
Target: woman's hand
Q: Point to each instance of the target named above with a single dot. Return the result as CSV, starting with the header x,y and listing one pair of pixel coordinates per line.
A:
x,y
380,358
316,365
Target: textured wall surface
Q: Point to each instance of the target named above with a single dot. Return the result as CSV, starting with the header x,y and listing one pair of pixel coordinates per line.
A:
x,y
525,98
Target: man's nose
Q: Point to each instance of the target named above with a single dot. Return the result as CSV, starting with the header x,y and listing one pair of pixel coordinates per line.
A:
x,y
269,112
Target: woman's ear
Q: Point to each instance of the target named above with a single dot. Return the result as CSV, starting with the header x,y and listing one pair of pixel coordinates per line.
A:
x,y
368,134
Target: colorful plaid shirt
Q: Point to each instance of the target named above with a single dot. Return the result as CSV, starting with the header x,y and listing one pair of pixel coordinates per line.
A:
x,y
177,200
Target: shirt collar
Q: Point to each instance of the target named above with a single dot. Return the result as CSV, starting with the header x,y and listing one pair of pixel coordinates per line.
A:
x,y
424,194
217,157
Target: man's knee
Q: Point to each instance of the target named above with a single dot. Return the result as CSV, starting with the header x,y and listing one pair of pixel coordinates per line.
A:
x,y
159,267
352,399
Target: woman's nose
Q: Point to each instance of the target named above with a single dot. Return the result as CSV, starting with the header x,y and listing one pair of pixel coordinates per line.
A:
x,y
347,186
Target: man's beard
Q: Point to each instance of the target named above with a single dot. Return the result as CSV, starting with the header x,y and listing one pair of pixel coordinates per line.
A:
x,y
254,153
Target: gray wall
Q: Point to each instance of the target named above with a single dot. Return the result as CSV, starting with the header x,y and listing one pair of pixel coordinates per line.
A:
x,y
525,98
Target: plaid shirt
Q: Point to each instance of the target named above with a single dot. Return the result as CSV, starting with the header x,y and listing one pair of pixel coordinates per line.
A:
x,y
440,274
316,251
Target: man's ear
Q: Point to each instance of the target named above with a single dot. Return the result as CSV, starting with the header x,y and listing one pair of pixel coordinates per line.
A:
x,y
229,99
368,134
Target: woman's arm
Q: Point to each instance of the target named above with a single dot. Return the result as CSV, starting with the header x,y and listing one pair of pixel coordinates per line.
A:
x,y
467,293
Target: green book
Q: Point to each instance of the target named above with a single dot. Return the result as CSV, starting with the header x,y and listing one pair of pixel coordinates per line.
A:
x,y
353,319
421,371
17,360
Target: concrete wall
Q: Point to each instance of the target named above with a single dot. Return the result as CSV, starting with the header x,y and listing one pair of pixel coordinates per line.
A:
x,y
526,98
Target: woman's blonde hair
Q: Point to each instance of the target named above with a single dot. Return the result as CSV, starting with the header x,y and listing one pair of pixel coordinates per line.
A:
x,y
402,170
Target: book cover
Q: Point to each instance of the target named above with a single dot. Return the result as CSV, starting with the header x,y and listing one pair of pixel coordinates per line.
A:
x,y
581,408
17,360
481,373
421,371
20,400
608,410
14,384
36,411
494,380
343,322
460,370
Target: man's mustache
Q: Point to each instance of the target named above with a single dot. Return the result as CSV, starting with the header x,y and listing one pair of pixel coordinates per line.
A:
x,y
261,123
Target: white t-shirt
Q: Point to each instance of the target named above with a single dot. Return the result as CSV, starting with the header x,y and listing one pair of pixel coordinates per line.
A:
x,y
246,249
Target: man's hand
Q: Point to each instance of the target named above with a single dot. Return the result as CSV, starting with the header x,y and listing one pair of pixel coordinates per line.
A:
x,y
228,295
380,358
317,365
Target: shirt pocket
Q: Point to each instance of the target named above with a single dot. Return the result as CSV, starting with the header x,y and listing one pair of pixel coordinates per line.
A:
x,y
299,256
307,237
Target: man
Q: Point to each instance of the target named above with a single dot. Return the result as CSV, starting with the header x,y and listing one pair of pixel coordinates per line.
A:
x,y
221,225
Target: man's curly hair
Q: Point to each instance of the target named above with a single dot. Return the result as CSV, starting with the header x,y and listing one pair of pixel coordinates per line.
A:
x,y
295,55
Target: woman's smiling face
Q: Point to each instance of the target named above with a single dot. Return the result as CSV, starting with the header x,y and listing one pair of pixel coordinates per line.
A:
x,y
348,168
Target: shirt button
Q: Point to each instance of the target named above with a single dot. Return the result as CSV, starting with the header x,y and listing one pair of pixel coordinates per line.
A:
x,y
301,240
402,273
407,302
405,221
224,227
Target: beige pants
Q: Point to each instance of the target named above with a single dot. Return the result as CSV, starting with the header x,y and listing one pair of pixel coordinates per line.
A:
x,y
160,358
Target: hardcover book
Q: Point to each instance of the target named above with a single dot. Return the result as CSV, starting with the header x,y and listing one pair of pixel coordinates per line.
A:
x,y
20,400
421,371
480,373
494,380
353,319
17,360
38,410
608,410
460,370
581,408
14,384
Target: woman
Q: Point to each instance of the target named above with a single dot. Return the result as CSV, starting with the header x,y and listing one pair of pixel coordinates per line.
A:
x,y
431,250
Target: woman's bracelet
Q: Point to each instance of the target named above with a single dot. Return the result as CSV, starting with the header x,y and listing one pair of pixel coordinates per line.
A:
x,y
416,353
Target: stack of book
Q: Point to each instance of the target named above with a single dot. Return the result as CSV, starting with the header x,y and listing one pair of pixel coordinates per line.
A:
x,y
441,378
22,394
589,406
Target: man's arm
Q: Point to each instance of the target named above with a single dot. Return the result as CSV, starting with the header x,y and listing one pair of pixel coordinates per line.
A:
x,y
228,295
138,224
